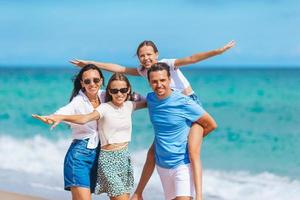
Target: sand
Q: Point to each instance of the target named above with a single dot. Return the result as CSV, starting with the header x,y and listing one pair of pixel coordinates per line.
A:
x,y
14,196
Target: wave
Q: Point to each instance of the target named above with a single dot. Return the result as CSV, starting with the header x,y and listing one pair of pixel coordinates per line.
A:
x,y
39,163
36,155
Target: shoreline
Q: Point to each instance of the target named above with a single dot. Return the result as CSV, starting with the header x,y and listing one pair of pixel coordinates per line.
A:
x,y
16,196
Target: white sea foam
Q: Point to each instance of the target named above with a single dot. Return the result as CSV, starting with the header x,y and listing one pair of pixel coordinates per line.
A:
x,y
247,186
37,155
38,162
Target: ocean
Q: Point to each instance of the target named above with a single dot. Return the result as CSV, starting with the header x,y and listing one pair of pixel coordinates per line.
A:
x,y
254,153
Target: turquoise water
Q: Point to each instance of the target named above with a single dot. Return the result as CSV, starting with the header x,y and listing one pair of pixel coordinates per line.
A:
x,y
257,111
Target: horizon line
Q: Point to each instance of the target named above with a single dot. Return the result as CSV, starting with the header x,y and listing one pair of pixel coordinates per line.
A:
x,y
183,68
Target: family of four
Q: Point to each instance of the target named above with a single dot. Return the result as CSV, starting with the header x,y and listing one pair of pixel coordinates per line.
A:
x,y
98,160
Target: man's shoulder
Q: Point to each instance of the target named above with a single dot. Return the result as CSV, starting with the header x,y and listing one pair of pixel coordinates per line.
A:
x,y
150,95
178,95
182,99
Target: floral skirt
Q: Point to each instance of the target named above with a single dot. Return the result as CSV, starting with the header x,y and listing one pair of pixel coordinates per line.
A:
x,y
115,173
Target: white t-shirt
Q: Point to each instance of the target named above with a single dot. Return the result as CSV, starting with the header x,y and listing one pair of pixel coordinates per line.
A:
x,y
80,104
115,124
178,80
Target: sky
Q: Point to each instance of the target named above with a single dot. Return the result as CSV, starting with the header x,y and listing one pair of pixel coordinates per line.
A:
x,y
50,33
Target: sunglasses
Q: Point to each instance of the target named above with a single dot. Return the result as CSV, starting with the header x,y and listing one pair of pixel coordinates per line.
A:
x,y
89,81
115,91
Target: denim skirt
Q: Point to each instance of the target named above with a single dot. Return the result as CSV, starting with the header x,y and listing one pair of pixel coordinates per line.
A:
x,y
80,166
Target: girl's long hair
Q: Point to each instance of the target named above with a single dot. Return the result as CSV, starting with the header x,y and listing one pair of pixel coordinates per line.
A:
x,y
117,77
146,43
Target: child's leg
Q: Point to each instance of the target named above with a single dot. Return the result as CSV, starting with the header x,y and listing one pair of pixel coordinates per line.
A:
x,y
194,146
80,193
146,174
120,197
208,123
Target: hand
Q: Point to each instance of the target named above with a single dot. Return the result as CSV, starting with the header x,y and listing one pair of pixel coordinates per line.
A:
x,y
136,196
227,46
79,63
43,119
51,120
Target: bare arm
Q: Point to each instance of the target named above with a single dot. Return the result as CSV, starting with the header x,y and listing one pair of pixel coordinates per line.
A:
x,y
140,104
202,55
208,123
77,119
107,66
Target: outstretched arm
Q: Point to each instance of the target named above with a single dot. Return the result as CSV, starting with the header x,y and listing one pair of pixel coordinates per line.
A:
x,y
202,55
107,66
77,119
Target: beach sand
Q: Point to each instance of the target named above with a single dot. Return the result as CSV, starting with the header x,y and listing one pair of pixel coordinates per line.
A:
x,y
14,196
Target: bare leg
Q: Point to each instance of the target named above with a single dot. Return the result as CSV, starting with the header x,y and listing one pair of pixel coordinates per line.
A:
x,y
194,146
183,198
146,174
120,197
80,193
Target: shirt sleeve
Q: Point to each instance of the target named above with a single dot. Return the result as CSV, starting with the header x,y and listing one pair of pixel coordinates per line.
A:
x,y
68,109
142,71
192,110
148,97
170,62
133,105
101,109
102,95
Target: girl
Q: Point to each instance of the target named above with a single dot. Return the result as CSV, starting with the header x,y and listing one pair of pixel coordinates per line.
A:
x,y
81,159
115,173
147,53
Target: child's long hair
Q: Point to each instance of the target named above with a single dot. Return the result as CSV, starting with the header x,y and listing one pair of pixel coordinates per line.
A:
x,y
117,77
146,43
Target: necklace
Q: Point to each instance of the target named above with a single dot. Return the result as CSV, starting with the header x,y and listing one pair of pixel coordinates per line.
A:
x,y
94,100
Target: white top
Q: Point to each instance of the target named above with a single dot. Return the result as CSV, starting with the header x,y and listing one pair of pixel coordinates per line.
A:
x,y
115,122
80,104
178,80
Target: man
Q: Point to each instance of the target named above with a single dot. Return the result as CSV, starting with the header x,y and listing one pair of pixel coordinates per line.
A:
x,y
172,114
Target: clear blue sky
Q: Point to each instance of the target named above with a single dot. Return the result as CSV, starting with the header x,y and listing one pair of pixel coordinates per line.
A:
x,y
49,33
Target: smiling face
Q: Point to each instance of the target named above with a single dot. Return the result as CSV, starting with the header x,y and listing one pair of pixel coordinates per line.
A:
x,y
160,83
91,82
147,56
119,91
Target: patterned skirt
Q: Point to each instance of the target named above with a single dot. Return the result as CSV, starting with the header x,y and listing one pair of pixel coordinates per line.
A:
x,y
115,173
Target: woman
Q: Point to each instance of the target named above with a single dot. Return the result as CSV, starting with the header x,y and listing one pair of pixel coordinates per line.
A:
x,y
80,164
115,173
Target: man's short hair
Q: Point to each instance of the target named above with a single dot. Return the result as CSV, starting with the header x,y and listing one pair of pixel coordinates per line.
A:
x,y
160,66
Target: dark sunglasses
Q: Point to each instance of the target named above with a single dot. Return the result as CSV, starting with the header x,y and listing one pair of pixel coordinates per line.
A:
x,y
115,91
89,81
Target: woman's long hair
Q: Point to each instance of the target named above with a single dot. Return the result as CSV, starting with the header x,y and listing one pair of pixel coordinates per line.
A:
x,y
78,78
117,77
